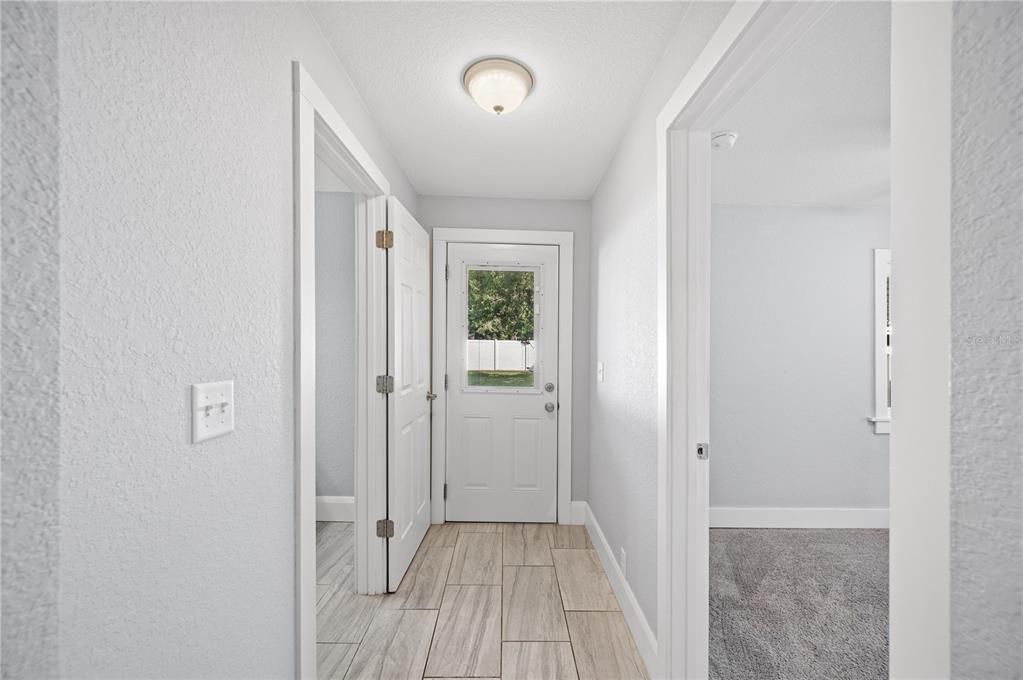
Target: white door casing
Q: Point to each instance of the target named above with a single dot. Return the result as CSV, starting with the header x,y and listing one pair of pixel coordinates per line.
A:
x,y
408,410
502,441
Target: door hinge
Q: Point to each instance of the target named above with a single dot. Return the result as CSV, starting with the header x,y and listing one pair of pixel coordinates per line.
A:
x,y
703,451
385,239
385,528
445,381
445,490
447,272
385,384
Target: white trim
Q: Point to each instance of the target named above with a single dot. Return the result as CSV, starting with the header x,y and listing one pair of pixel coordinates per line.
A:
x,y
566,300
579,513
882,411
335,508
920,445
644,636
799,518
318,125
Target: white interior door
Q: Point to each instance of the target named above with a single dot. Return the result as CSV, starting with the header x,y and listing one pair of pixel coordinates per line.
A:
x,y
408,410
502,373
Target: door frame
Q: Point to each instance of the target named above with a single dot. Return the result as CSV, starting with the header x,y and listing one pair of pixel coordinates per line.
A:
x,y
317,124
750,39
442,236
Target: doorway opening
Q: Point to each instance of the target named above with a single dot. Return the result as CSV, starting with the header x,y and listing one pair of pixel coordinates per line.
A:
x,y
799,485
340,424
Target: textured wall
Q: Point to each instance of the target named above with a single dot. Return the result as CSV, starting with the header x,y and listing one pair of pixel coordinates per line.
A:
x,y
623,434
336,320
30,462
792,365
574,216
177,560
987,341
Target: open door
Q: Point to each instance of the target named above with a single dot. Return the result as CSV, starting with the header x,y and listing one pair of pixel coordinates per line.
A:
x,y
408,407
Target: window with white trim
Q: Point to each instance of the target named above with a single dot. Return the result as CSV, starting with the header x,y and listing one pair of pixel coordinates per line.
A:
x,y
882,341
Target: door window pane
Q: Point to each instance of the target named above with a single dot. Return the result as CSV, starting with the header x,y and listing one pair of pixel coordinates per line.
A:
x,y
501,344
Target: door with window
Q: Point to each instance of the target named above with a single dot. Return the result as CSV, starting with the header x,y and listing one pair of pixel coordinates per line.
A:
x,y
502,371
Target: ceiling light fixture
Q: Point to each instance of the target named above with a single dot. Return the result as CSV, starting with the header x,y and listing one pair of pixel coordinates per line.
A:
x,y
498,85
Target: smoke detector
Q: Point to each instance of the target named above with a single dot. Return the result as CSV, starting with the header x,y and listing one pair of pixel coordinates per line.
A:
x,y
723,139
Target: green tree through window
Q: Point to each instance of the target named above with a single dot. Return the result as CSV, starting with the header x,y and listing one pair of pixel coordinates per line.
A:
x,y
500,305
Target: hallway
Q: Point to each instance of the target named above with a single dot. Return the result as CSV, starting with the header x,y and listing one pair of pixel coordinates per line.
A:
x,y
480,600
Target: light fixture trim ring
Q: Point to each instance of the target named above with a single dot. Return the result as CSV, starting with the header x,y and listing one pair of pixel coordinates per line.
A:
x,y
472,67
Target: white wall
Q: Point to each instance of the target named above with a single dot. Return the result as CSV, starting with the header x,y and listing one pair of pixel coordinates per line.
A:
x,y
623,436
987,341
176,265
548,215
336,320
792,358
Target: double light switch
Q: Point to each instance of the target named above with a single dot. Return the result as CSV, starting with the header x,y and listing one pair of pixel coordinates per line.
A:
x,y
212,410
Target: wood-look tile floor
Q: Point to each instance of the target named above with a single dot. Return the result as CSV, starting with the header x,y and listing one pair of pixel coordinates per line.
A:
x,y
513,601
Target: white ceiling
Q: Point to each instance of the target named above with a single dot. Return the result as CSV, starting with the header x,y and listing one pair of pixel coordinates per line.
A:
x,y
591,61
815,129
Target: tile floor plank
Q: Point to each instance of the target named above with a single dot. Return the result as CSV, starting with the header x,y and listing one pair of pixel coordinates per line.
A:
x,y
335,546
538,661
467,641
423,585
333,660
532,605
477,560
571,536
395,647
441,535
584,586
604,647
343,616
528,544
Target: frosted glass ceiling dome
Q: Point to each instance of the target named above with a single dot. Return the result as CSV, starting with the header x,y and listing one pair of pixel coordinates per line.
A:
x,y
498,85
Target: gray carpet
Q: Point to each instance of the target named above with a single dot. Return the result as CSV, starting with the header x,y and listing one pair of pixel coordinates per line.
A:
x,y
789,604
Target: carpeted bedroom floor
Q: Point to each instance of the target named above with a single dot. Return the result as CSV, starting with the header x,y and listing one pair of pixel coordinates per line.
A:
x,y
794,604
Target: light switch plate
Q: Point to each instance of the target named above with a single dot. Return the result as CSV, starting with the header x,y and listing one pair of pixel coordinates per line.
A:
x,y
212,410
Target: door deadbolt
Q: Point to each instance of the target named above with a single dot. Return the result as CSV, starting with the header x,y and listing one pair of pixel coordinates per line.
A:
x,y
549,387
549,407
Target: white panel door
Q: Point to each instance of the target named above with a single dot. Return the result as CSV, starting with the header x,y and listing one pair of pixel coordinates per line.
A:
x,y
502,372
408,410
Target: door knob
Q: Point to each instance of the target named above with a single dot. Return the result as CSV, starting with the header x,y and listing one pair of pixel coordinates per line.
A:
x,y
430,396
549,407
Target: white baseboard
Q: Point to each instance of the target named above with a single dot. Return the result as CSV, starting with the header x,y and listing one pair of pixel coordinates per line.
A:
x,y
335,508
580,510
799,518
646,641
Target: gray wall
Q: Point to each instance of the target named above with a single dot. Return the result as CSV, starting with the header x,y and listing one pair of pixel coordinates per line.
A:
x,y
792,358
336,321
172,263
623,267
30,312
987,341
547,215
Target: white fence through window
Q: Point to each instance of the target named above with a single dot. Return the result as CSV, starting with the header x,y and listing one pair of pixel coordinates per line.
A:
x,y
499,355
